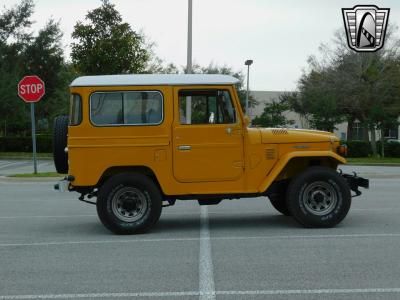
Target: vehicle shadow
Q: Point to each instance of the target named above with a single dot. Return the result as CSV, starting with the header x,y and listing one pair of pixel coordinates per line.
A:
x,y
184,225
251,221
225,222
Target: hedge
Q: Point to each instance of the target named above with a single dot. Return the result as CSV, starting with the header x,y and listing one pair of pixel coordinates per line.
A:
x,y
44,144
363,149
358,148
392,149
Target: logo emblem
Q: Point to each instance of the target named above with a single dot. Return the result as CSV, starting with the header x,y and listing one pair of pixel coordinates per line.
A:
x,y
365,27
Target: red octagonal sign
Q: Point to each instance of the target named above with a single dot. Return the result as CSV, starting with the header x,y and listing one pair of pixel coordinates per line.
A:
x,y
31,88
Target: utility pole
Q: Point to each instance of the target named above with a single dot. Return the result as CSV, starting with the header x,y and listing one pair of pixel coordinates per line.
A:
x,y
189,61
189,39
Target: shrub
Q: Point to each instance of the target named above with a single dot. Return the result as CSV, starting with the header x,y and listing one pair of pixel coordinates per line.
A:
x,y
24,144
358,148
392,149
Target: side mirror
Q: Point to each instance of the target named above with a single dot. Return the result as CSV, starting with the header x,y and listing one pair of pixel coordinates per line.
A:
x,y
246,120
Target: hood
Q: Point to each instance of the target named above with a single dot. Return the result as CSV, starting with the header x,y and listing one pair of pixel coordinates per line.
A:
x,y
283,135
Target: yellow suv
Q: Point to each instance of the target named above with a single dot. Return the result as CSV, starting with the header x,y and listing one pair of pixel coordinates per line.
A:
x,y
140,142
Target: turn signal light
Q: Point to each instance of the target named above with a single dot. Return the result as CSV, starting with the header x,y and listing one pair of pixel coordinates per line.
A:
x,y
342,150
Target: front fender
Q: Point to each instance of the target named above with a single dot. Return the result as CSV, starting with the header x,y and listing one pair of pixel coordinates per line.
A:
x,y
284,160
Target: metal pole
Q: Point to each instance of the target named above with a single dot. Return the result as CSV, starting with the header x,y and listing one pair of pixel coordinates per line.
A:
x,y
189,62
247,93
33,137
189,41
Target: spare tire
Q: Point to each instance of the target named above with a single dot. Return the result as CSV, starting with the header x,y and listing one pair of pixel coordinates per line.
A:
x,y
60,135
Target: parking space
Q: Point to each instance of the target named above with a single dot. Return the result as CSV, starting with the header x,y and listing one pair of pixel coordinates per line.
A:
x,y
53,246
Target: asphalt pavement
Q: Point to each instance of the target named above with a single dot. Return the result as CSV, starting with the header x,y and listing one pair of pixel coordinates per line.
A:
x,y
15,166
54,247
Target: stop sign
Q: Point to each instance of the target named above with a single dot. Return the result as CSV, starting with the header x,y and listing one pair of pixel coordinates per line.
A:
x,y
31,88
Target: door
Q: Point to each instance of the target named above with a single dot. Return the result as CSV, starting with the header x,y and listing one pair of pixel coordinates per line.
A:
x,y
207,136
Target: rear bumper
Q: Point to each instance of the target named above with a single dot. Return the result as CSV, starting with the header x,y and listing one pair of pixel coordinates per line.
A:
x,y
62,185
355,182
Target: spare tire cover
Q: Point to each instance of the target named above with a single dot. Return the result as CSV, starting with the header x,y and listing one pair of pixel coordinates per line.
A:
x,y
60,135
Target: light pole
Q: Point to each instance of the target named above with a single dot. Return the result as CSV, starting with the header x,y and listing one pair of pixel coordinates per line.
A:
x,y
248,64
189,40
189,61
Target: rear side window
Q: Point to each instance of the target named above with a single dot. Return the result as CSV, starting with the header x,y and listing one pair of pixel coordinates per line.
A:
x,y
75,110
126,108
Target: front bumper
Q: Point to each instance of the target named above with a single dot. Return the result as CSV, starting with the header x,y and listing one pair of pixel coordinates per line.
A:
x,y
355,182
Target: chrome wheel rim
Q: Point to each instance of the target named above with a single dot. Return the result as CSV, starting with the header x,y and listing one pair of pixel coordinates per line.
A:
x,y
129,204
319,198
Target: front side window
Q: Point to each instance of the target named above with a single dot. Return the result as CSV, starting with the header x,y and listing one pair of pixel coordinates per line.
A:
x,y
126,108
75,110
206,107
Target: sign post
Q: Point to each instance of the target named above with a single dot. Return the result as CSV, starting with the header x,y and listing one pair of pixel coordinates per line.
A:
x,y
33,137
31,89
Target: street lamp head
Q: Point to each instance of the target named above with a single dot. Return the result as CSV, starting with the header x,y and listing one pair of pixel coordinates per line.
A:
x,y
248,62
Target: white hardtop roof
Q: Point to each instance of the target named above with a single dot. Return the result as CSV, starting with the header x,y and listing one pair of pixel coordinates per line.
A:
x,y
154,79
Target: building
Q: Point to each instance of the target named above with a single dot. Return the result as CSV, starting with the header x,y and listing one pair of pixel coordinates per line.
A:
x,y
357,131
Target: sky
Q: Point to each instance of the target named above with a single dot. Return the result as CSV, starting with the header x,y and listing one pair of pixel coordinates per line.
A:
x,y
277,35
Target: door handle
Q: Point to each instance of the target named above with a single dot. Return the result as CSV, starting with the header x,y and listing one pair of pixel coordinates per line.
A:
x,y
185,147
228,130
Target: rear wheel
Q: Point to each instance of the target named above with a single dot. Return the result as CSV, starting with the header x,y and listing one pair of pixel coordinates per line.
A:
x,y
129,204
318,197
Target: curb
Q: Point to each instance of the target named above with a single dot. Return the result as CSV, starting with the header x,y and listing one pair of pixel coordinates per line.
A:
x,y
374,164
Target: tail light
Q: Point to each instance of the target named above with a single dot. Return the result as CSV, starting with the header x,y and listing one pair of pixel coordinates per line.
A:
x,y
342,150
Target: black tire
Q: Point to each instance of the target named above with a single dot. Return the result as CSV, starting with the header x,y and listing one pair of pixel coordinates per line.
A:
x,y
278,201
60,135
318,197
129,203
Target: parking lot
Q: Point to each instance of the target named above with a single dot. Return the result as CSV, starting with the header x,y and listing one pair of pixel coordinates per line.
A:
x,y
54,247
15,166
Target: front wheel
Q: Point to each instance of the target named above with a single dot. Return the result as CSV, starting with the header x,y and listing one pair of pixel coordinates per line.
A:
x,y
318,197
129,204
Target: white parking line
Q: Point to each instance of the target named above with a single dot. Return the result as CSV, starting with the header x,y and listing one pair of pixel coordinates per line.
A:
x,y
206,268
196,293
223,238
100,295
8,164
98,242
312,292
301,237
44,217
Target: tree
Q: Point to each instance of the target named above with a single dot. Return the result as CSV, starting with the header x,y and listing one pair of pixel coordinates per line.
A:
x,y
44,51
226,70
107,45
272,115
316,101
157,65
344,84
23,53
13,40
